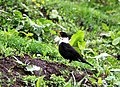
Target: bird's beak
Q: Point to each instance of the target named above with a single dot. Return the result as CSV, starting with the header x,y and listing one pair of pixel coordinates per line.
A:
x,y
59,33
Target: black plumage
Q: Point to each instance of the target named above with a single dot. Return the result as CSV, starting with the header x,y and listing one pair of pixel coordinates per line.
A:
x,y
68,52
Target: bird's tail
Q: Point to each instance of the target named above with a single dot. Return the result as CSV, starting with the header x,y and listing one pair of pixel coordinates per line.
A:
x,y
84,61
89,64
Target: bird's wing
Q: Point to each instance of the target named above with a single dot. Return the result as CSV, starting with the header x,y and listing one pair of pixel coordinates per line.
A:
x,y
73,52
70,49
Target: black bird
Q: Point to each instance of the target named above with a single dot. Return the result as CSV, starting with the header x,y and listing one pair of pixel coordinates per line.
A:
x,y
67,51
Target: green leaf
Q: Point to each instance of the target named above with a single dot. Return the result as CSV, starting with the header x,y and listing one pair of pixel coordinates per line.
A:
x,y
68,84
52,31
29,78
118,33
116,41
40,82
110,78
102,55
29,34
115,70
117,83
82,45
92,80
99,81
54,14
77,37
112,34
17,13
105,27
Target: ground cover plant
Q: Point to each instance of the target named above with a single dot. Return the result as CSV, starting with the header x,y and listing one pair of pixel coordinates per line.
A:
x,y
29,52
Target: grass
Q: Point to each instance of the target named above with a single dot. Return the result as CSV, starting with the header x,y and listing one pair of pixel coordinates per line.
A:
x,y
99,21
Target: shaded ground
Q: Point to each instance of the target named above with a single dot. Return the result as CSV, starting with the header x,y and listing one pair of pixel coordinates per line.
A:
x,y
11,71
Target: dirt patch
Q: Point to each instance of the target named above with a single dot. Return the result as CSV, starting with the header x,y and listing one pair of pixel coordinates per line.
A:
x,y
12,70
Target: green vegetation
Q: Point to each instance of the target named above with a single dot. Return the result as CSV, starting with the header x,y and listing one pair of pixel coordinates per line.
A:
x,y
30,27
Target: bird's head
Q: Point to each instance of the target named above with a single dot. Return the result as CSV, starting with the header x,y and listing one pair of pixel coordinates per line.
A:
x,y
64,37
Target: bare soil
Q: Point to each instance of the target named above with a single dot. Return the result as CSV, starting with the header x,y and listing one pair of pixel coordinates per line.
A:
x,y
11,72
